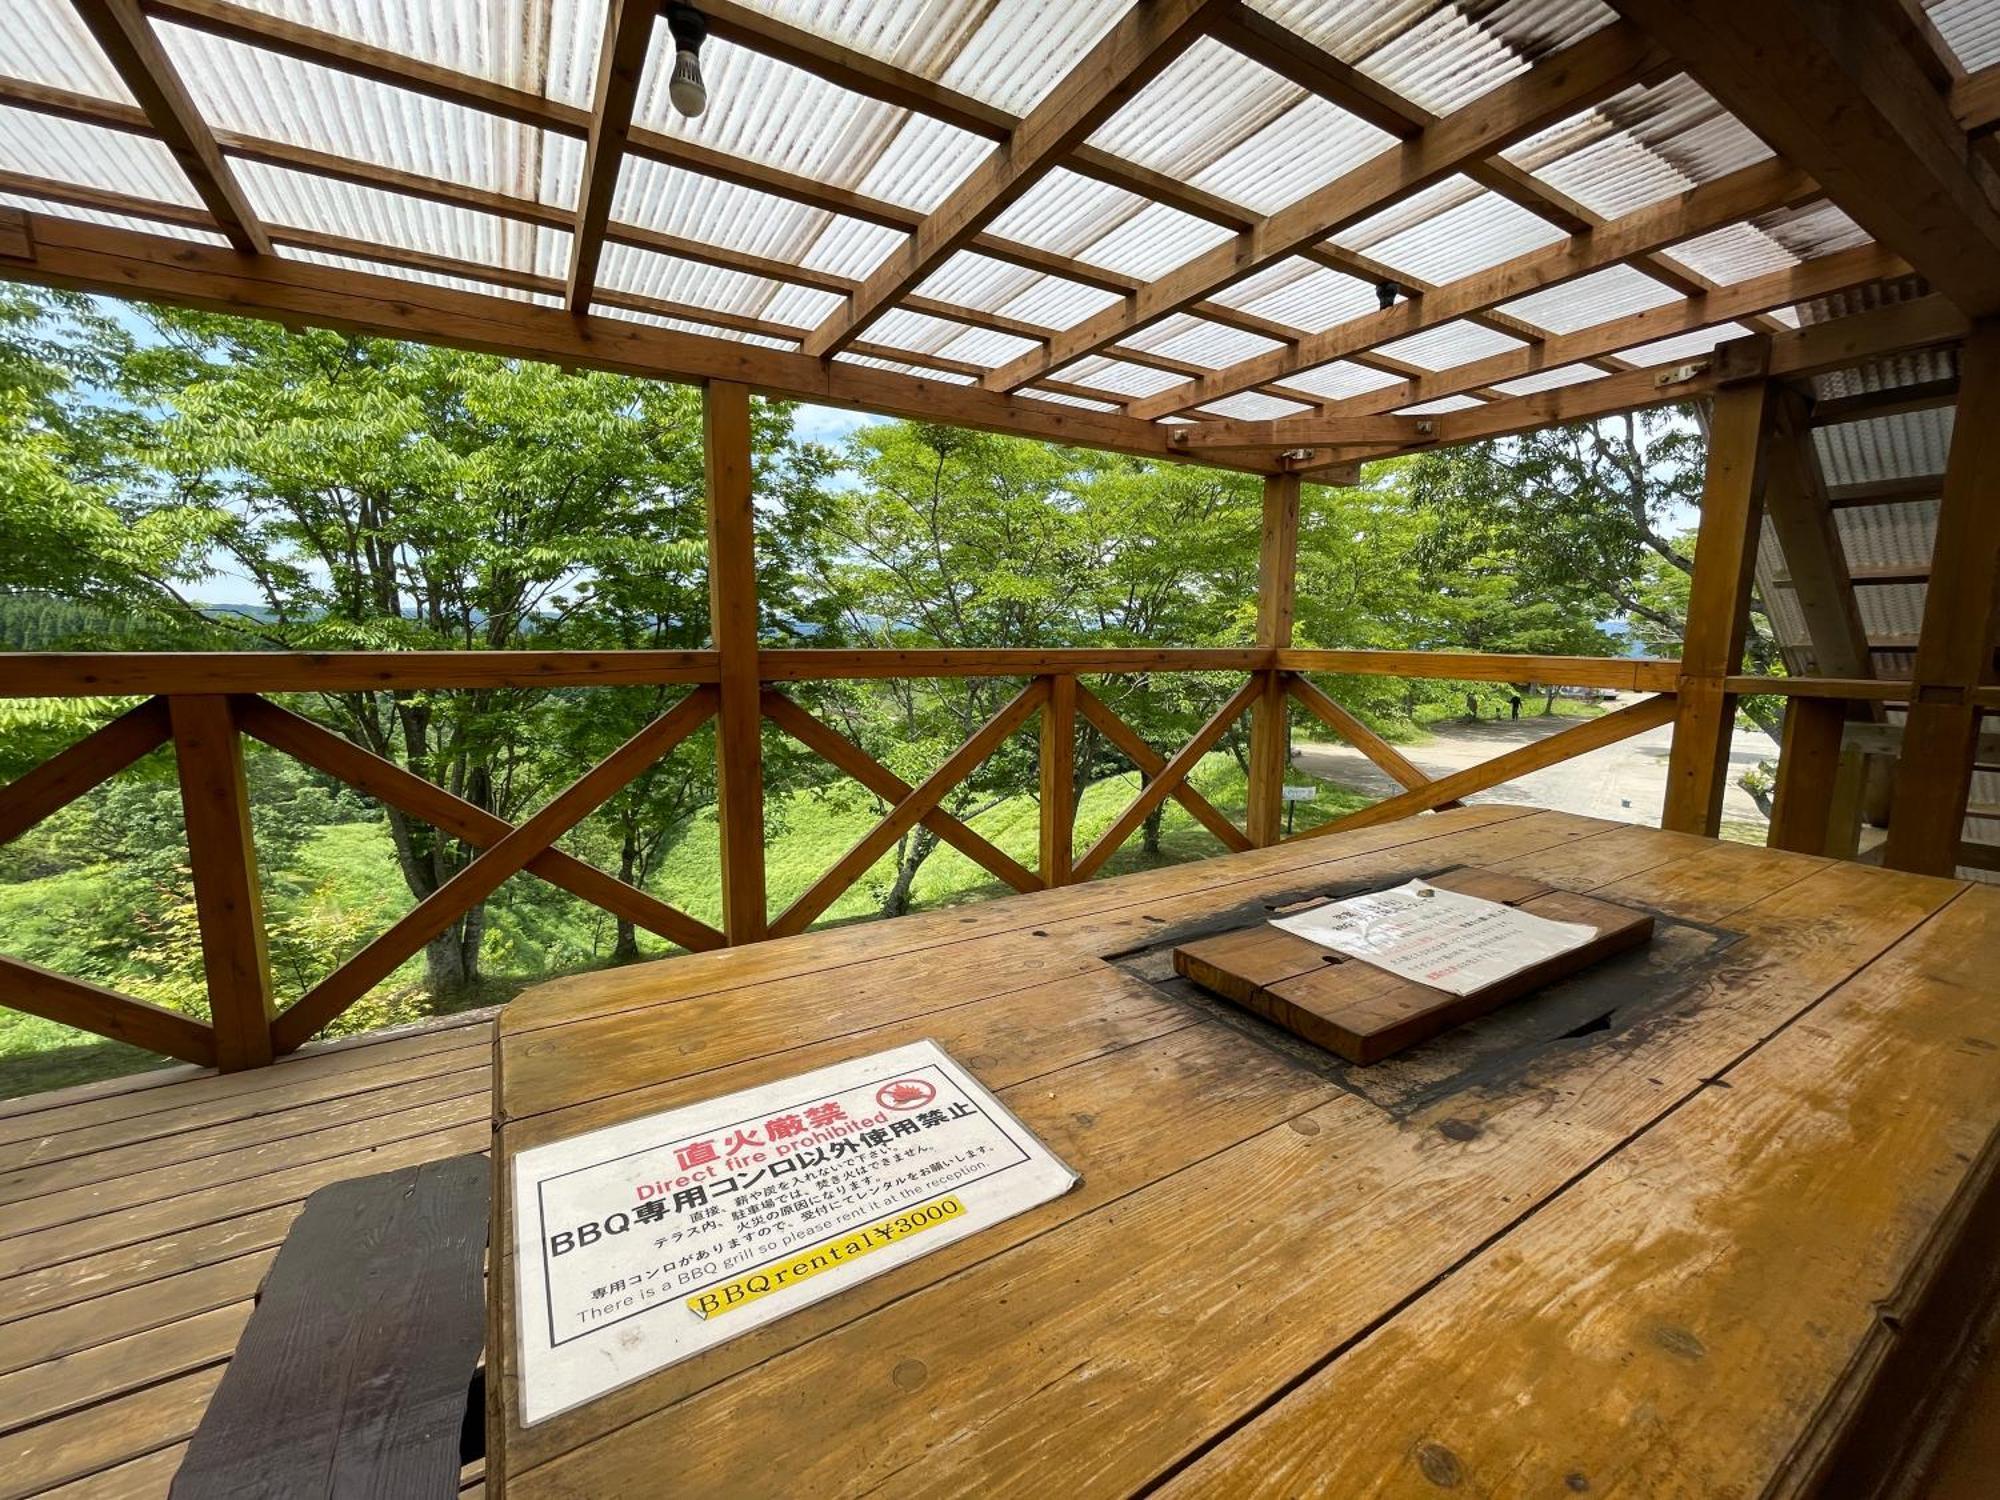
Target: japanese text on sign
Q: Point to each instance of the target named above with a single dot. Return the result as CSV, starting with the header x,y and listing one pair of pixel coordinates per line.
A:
x,y
1449,941
640,1245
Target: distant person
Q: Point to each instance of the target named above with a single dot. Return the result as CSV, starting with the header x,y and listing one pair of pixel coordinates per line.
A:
x,y
1514,700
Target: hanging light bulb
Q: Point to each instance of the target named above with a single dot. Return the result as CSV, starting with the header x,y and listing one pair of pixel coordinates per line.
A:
x,y
688,93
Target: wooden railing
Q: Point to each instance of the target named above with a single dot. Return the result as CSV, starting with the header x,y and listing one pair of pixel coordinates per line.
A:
x,y
203,704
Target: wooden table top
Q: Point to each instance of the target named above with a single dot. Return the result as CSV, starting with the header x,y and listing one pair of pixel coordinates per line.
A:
x,y
1658,1230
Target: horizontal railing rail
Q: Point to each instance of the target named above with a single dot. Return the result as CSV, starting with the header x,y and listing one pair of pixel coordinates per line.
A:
x,y
204,704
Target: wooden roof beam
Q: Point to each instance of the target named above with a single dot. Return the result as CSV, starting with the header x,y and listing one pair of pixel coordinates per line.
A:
x,y
1820,277
1767,184
126,37
1924,323
1574,78
1838,90
1135,51
123,263
628,38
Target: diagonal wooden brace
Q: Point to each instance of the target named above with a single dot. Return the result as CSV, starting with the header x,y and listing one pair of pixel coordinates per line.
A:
x,y
489,871
1125,740
1171,775
910,811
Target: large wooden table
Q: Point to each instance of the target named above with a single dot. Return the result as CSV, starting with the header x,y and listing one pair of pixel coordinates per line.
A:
x,y
1694,1224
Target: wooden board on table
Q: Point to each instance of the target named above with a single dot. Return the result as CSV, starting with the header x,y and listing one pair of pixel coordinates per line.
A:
x,y
1365,1013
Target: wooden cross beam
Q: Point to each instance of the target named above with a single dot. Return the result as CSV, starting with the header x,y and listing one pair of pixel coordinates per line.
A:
x,y
1136,50
1768,184
1575,78
1123,738
1839,90
628,37
122,30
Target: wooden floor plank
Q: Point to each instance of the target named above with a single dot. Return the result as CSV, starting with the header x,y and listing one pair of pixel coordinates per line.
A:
x,y
84,1443
130,1105
1796,1202
475,1049
187,1193
148,1478
80,1380
221,1211
69,1330
1114,1390
229,1150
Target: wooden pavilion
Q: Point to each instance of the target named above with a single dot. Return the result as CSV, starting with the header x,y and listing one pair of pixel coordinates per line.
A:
x,y
1279,236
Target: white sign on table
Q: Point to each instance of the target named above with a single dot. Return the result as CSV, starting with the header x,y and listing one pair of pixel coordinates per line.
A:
x,y
642,1244
1441,938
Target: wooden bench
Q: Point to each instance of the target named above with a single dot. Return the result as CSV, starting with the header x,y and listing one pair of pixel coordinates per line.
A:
x,y
352,1377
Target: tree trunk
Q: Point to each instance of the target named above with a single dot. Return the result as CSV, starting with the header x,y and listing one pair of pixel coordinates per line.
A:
x,y
451,959
1150,839
626,949
916,848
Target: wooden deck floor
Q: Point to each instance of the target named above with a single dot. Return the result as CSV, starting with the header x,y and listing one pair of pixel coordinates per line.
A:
x,y
137,1219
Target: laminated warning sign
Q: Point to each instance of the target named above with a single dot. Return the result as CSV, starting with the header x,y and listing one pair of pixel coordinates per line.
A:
x,y
643,1244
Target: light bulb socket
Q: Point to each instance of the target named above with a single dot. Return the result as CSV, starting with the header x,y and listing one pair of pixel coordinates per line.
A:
x,y
689,27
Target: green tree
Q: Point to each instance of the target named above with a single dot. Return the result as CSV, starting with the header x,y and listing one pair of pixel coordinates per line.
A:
x,y
378,495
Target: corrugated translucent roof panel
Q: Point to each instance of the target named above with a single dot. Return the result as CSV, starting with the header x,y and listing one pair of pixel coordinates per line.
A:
x,y
1900,447
987,346
1481,231
546,47
1301,294
1207,102
626,268
90,156
47,42
1888,536
918,332
423,278
1065,398
927,372
1200,342
1549,380
654,196
1105,226
1683,345
261,93
1449,344
1445,56
1971,28
1117,376
1642,145
706,330
1339,380
1615,292
295,199
1919,367
1254,406
1770,242
1017,53
920,35
1440,406
1891,609
110,221
770,112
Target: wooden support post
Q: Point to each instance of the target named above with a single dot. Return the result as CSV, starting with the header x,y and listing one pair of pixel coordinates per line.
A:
x,y
1955,648
1725,558
1277,576
1809,762
1058,789
228,902
732,612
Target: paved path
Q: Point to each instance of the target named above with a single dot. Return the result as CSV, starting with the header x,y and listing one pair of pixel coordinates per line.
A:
x,y
1624,782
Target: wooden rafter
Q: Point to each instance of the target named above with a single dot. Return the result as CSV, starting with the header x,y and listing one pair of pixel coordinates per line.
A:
x,y
126,37
1754,189
1838,90
1135,51
1571,80
628,36
1924,323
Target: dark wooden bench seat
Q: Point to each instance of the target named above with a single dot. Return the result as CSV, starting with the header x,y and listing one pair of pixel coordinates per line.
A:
x,y
352,1377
